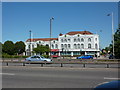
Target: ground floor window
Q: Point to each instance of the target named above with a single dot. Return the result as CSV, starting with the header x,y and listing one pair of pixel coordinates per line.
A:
x,y
65,53
76,53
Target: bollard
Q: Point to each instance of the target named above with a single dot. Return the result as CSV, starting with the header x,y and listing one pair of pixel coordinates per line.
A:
x,y
61,65
107,65
42,65
84,65
7,63
23,64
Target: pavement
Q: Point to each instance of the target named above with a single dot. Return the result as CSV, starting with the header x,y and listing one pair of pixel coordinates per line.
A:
x,y
55,77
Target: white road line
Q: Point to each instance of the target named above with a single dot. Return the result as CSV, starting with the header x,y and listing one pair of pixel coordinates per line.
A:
x,y
7,74
112,78
102,83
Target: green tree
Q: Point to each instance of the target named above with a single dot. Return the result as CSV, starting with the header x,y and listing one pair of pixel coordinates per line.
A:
x,y
107,49
19,47
117,42
9,48
41,49
0,48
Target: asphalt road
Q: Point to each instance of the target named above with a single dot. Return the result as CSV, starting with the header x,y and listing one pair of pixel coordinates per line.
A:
x,y
55,77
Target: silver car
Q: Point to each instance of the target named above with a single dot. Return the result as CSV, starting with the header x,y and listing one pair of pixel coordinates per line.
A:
x,y
37,58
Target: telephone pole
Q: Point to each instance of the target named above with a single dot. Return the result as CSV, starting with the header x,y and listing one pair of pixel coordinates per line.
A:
x,y
51,19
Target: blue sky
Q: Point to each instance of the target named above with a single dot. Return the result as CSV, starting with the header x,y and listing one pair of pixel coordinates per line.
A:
x,y
20,17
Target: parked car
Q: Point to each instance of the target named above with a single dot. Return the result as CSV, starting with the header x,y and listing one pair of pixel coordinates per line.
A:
x,y
37,58
112,85
111,56
85,57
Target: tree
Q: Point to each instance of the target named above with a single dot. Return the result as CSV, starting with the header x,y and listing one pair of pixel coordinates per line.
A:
x,y
41,49
117,42
19,47
0,48
9,48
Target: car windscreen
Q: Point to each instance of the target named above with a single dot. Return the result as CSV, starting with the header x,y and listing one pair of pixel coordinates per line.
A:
x,y
35,57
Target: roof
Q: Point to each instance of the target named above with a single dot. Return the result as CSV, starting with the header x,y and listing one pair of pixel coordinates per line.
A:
x,y
79,32
41,39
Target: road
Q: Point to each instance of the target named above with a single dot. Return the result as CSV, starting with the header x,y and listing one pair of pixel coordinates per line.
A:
x,y
55,77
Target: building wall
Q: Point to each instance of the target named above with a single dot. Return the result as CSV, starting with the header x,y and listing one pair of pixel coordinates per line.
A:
x,y
72,44
76,40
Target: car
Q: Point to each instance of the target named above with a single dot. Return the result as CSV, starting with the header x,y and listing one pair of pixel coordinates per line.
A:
x,y
38,58
111,56
85,57
114,85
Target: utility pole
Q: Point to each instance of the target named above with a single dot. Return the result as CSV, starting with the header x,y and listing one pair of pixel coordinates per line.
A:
x,y
50,33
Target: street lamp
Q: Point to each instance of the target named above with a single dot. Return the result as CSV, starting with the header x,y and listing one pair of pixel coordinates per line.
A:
x,y
30,43
51,19
112,31
63,52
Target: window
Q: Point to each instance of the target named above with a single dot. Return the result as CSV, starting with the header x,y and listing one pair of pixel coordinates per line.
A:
x,y
69,46
29,46
89,45
89,39
35,57
61,40
65,45
75,40
53,41
61,45
82,46
78,39
82,40
75,46
52,46
78,46
65,40
56,46
32,46
68,40
96,46
95,39
39,42
47,45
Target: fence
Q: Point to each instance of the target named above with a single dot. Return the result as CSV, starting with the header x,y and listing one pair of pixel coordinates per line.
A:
x,y
62,62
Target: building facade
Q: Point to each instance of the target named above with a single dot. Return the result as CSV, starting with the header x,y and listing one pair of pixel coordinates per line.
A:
x,y
71,44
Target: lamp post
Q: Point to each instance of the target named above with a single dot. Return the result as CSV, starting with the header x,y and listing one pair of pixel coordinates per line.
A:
x,y
30,43
51,19
112,30
113,34
63,52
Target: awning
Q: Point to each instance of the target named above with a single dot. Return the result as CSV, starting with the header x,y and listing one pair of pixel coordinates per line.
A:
x,y
54,50
55,56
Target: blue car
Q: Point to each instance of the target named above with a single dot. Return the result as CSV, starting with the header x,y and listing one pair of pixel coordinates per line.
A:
x,y
37,58
112,85
85,57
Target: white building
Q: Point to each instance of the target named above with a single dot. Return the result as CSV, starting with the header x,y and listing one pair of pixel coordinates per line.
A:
x,y
71,43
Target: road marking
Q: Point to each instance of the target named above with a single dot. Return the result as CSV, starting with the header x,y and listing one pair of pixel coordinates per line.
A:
x,y
102,83
112,78
7,74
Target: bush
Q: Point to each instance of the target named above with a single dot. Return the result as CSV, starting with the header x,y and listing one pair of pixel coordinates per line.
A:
x,y
46,56
5,55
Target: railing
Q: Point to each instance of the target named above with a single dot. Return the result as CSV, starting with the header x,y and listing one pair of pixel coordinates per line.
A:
x,y
62,62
